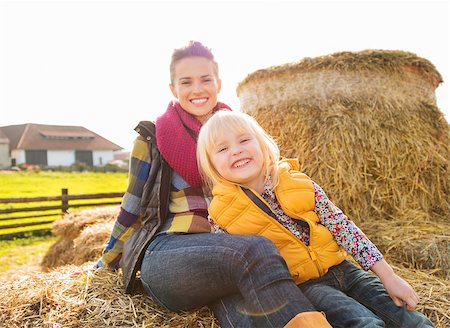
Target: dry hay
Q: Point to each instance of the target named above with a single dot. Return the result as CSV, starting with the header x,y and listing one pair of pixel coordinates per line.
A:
x,y
414,244
82,237
380,61
366,127
434,294
73,296
82,297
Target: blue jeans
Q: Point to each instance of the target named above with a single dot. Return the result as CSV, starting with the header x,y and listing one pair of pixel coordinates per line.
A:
x,y
243,279
352,297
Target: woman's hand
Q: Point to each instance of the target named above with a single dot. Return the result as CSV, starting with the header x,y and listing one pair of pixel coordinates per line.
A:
x,y
398,289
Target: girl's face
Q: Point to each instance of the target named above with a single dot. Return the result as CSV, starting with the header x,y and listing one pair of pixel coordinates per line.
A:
x,y
238,158
196,86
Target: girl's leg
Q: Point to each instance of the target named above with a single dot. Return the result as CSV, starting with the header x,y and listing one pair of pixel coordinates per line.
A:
x,y
185,271
367,289
340,309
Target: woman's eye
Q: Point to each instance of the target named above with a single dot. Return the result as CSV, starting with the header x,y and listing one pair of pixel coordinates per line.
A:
x,y
185,83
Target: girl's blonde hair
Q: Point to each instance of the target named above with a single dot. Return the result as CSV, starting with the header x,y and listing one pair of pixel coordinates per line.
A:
x,y
224,122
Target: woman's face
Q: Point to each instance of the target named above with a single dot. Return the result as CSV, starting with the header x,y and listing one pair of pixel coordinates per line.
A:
x,y
196,86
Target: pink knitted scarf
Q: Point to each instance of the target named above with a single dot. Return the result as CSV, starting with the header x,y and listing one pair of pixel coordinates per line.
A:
x,y
176,137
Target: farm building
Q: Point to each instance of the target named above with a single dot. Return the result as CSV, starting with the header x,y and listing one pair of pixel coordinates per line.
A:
x,y
57,145
4,150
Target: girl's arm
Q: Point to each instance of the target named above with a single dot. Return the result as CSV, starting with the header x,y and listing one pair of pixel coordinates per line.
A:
x,y
398,289
345,232
355,242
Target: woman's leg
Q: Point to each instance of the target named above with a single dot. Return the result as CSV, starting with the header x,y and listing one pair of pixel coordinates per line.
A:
x,y
228,310
186,271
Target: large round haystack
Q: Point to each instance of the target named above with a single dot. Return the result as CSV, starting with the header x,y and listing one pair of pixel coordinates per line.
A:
x,y
366,126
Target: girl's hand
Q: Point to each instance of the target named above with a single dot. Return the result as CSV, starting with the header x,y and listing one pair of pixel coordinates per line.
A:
x,y
398,289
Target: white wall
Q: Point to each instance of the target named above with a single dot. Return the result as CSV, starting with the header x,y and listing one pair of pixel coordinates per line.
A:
x,y
60,157
65,157
5,161
19,155
102,157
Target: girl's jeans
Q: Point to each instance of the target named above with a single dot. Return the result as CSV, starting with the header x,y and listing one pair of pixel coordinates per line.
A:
x,y
352,297
186,271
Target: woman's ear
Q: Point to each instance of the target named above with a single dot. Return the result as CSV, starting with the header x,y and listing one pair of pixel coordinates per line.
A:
x,y
172,89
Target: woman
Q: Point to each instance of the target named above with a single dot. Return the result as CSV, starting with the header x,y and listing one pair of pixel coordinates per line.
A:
x,y
163,230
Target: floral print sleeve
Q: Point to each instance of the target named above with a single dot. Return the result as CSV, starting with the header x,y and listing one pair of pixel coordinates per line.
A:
x,y
345,232
215,228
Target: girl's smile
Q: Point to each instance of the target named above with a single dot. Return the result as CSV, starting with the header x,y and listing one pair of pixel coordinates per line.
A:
x,y
241,163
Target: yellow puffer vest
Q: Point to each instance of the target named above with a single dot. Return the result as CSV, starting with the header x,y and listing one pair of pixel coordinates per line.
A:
x,y
233,210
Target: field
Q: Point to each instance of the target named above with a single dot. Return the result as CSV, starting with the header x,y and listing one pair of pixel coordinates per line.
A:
x,y
24,254
33,184
30,184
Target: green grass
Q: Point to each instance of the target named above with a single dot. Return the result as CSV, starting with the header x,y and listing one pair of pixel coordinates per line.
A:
x,y
24,251
31,184
34,184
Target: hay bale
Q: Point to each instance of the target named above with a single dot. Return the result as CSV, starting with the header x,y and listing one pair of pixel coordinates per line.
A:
x,y
413,244
366,127
74,296
82,237
434,294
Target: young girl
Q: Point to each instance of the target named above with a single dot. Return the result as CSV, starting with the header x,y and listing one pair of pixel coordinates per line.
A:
x,y
255,193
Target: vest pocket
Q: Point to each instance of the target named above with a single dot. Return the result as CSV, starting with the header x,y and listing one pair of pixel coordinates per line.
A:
x,y
304,271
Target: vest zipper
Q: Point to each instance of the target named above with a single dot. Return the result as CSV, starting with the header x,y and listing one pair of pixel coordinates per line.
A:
x,y
309,249
312,254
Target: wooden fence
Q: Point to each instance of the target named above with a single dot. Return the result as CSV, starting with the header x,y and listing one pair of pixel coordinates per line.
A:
x,y
48,211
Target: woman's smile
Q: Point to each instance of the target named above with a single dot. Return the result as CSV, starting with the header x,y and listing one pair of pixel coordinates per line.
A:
x,y
199,101
196,86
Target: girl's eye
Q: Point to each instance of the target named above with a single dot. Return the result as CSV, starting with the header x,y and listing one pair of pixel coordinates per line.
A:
x,y
244,140
221,150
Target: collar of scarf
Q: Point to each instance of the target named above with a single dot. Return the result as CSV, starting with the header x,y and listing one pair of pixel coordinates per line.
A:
x,y
176,137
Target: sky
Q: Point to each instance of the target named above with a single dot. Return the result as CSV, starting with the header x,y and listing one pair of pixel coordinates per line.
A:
x,y
104,64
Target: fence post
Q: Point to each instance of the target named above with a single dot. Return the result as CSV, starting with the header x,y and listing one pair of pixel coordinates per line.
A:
x,y
64,200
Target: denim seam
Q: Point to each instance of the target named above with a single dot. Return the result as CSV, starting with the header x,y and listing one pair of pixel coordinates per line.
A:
x,y
226,310
153,296
384,313
244,260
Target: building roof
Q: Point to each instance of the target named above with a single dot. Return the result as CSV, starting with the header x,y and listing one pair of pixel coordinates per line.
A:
x,y
3,138
32,136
